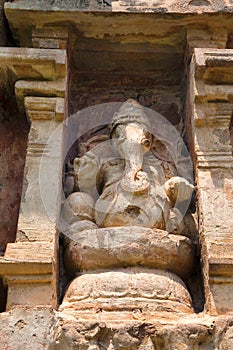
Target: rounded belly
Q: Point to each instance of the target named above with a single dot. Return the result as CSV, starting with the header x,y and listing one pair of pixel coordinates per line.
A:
x,y
123,209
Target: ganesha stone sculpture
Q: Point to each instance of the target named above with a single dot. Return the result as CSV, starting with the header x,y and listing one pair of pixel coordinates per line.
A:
x,y
124,213
132,190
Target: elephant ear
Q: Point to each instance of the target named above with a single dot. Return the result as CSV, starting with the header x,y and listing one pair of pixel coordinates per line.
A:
x,y
162,153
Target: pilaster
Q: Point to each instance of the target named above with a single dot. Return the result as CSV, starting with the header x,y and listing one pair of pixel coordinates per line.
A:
x,y
29,266
210,112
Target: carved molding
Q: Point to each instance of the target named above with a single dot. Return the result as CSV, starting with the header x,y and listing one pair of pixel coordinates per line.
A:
x,y
38,78
44,108
43,25
50,37
211,101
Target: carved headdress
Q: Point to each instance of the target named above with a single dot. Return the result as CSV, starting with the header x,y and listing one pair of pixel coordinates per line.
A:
x,y
130,112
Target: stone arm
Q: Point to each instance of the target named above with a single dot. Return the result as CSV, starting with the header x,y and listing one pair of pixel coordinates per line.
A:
x,y
77,213
85,173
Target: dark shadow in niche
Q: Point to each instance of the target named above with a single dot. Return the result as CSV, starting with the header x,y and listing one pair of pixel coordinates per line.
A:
x,y
230,41
194,281
64,277
199,3
3,296
195,284
13,145
14,130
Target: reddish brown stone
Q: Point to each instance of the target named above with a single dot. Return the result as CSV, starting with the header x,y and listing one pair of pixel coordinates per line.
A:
x,y
13,142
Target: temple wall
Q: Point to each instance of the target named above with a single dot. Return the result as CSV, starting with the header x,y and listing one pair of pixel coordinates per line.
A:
x,y
55,60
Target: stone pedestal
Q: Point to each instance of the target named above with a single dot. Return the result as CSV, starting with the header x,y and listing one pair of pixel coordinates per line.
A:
x,y
126,294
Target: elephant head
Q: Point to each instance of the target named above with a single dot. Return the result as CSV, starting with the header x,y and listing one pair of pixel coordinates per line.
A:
x,y
130,131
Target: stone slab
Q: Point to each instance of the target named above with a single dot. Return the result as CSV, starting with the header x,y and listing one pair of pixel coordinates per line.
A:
x,y
97,24
181,6
27,269
31,64
129,246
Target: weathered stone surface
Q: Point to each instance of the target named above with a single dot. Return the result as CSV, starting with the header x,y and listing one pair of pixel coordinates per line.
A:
x,y
133,193
132,178
189,333
35,285
26,328
52,38
211,95
199,37
105,294
28,270
44,108
78,207
71,5
157,28
153,44
36,220
45,65
40,328
225,338
128,246
97,76
181,6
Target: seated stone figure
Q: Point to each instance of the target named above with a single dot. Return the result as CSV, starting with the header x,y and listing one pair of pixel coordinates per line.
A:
x,y
124,183
123,239
123,235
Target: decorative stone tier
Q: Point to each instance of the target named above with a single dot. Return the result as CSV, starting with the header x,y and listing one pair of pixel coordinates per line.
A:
x,y
128,246
124,292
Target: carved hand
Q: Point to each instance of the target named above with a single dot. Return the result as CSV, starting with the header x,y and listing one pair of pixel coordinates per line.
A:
x,y
178,189
85,170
